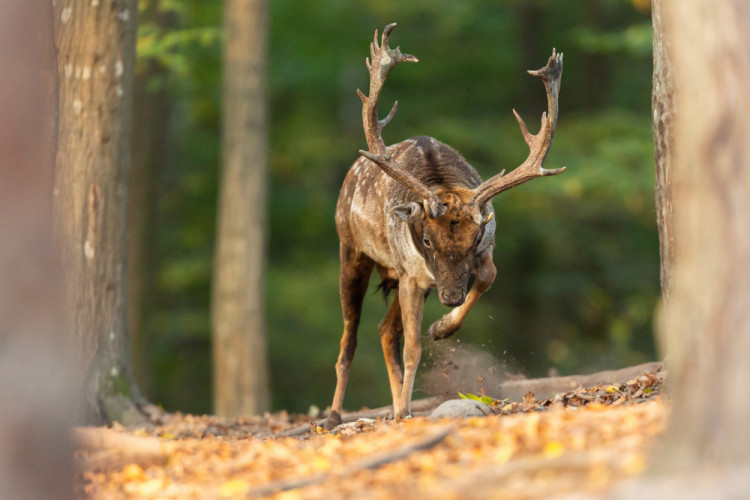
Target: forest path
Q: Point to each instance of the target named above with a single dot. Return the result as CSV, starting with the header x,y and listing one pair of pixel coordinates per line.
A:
x,y
581,441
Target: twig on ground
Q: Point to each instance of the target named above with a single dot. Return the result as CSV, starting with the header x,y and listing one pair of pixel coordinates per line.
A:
x,y
110,450
546,388
420,408
370,463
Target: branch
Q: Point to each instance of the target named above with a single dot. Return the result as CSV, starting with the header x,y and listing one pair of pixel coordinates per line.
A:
x,y
419,408
370,463
111,450
545,388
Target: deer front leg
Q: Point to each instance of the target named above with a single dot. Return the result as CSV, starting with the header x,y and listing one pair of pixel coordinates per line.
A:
x,y
355,274
449,324
411,297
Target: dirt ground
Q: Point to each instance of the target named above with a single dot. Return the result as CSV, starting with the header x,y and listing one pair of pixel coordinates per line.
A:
x,y
585,440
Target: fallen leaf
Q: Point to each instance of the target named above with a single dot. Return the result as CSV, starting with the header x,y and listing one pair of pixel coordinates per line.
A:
x,y
234,487
635,464
553,449
147,488
133,472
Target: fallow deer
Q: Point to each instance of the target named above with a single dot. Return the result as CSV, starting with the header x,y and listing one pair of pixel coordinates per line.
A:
x,y
418,213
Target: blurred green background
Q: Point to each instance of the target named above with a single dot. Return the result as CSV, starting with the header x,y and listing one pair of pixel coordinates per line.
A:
x,y
577,254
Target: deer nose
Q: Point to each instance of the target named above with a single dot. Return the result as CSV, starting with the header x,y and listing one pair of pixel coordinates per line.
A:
x,y
452,297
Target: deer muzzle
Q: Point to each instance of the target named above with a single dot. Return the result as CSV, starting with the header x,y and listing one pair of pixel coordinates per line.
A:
x,y
452,297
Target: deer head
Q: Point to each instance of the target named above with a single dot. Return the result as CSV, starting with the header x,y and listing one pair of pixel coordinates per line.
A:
x,y
448,240
449,223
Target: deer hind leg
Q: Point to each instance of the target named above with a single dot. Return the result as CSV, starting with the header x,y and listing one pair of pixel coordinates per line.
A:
x,y
391,333
355,275
449,324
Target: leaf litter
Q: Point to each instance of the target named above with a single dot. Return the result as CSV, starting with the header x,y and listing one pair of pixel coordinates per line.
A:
x,y
584,440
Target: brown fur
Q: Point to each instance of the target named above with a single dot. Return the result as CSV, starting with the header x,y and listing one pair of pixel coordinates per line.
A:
x,y
372,235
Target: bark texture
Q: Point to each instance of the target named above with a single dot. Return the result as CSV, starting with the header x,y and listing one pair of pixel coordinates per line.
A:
x,y
96,55
663,107
708,319
240,366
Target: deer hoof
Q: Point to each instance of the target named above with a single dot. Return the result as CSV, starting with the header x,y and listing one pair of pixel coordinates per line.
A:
x,y
333,420
442,329
403,415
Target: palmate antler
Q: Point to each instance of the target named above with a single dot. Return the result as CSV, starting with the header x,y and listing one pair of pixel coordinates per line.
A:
x,y
539,144
382,60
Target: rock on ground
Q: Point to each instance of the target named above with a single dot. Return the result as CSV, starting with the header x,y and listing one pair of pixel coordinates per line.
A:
x,y
456,408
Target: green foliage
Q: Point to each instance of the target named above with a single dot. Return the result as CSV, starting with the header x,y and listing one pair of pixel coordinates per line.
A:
x,y
635,40
171,48
577,254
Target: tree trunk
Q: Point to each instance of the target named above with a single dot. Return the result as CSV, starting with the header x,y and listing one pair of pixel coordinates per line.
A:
x,y
708,319
240,367
96,55
663,107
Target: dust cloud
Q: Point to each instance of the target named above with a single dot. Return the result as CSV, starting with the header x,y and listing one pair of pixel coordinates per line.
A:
x,y
451,367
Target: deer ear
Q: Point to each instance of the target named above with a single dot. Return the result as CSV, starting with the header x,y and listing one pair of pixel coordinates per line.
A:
x,y
407,211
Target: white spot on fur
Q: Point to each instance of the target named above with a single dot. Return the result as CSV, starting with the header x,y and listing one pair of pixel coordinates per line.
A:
x,y
86,73
77,106
119,91
68,70
67,13
119,69
124,15
95,3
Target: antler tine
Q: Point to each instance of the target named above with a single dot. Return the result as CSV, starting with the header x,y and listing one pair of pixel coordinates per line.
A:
x,y
385,121
527,136
539,143
382,60
386,34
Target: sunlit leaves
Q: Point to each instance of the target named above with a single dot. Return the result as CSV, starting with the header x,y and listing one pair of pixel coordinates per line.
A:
x,y
533,456
171,48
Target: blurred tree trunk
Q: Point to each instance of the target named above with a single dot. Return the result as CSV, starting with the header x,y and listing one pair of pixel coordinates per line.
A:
x,y
663,107
240,365
37,383
96,55
150,138
708,319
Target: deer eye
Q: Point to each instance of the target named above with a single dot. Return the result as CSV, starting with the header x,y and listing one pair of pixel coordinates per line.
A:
x,y
427,242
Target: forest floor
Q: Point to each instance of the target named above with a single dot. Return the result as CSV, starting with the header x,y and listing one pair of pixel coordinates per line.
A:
x,y
583,441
